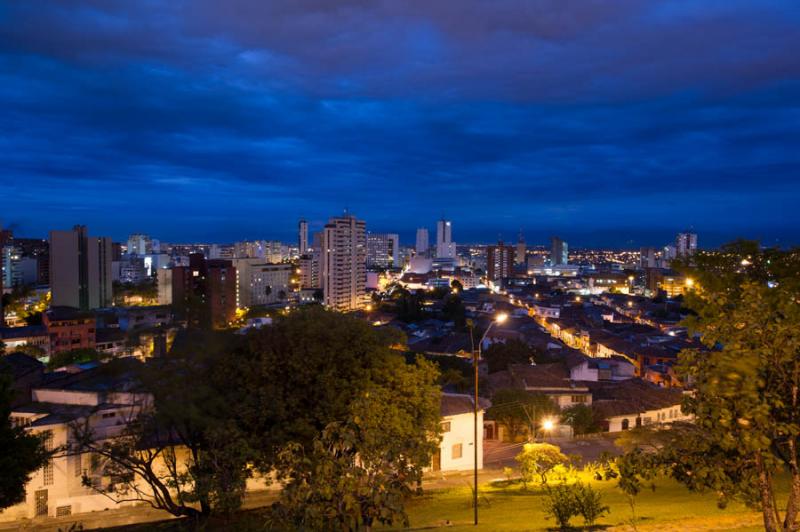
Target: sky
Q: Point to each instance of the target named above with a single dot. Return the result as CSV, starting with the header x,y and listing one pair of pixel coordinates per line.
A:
x,y
608,123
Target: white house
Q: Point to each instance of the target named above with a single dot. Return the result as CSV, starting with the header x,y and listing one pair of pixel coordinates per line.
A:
x,y
457,448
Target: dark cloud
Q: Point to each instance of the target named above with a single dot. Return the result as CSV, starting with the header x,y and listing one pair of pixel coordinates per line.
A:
x,y
214,120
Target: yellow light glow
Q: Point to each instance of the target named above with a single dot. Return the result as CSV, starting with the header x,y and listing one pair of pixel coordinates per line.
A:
x,y
500,318
369,308
548,424
689,282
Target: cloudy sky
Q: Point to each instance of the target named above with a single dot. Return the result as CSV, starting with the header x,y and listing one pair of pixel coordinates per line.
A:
x,y
607,122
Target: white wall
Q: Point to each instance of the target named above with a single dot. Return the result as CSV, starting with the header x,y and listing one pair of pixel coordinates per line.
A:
x,y
461,431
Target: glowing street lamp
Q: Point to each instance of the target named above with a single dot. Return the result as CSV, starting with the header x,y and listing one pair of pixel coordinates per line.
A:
x,y
548,425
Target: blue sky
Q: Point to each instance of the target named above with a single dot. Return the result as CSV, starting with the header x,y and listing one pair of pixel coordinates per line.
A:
x,y
609,123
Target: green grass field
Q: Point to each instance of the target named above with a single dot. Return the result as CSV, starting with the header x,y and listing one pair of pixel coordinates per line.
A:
x,y
669,507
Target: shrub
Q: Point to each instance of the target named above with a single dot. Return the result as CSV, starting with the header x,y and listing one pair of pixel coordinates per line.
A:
x,y
589,503
539,459
561,504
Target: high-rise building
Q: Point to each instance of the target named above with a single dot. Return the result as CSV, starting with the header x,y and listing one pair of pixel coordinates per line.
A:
x,y
344,257
423,243
685,244
302,237
559,252
521,250
499,261
80,269
205,291
17,268
383,250
648,258
139,244
445,247
39,249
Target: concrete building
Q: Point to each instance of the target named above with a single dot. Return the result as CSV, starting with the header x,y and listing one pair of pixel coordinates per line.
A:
x,y
457,448
499,261
302,237
205,291
139,244
164,282
344,258
80,269
648,258
17,269
685,244
559,252
521,250
423,243
260,283
445,247
383,250
69,329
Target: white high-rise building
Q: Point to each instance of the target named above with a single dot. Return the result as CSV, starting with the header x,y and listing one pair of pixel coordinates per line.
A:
x,y
80,269
445,247
383,250
302,237
344,263
685,244
139,244
423,244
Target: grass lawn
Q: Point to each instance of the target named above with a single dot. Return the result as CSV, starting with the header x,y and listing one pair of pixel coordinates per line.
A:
x,y
669,507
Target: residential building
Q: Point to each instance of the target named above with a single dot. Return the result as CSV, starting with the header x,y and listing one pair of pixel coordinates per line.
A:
x,y
344,256
685,244
302,237
422,245
445,247
499,261
559,252
383,250
164,282
205,291
69,328
648,258
457,447
260,283
520,257
80,269
139,244
18,269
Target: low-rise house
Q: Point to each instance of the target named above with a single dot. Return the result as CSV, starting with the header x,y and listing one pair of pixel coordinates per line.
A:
x,y
106,404
635,403
69,329
552,380
31,335
457,448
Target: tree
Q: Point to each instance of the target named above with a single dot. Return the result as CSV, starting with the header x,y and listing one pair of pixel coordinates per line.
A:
x,y
453,310
581,418
520,411
360,471
456,286
500,355
304,372
179,450
538,459
23,452
746,400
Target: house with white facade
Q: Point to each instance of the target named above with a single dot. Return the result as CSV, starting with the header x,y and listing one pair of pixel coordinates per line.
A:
x,y
457,448
59,400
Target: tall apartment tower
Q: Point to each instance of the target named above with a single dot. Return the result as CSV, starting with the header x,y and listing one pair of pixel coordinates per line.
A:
x,y
302,237
685,244
80,269
499,261
559,252
423,244
344,258
445,247
521,250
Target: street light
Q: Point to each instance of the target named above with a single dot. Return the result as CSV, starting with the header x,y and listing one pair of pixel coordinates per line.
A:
x,y
476,355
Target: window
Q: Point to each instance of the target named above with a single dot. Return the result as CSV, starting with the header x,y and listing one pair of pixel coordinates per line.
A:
x,y
625,424
578,398
109,414
47,473
446,426
457,451
63,511
77,465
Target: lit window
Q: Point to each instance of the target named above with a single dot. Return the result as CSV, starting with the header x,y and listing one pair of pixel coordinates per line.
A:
x,y
446,426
